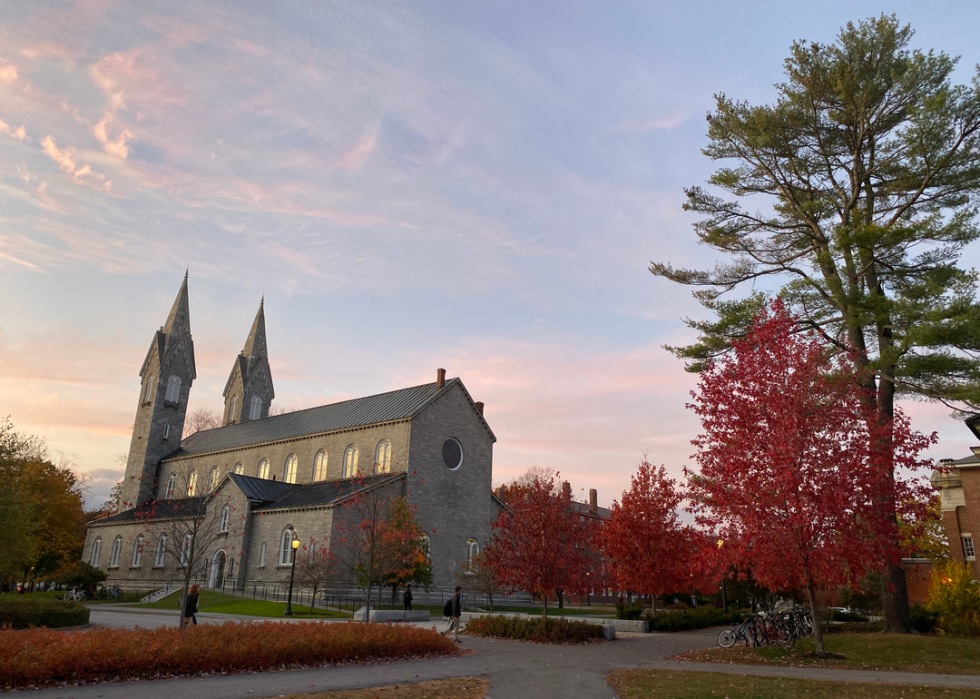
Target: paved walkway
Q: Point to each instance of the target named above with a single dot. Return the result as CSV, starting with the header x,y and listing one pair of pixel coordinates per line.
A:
x,y
514,669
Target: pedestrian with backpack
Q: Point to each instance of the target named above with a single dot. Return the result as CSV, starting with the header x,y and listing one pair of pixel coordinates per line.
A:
x,y
454,610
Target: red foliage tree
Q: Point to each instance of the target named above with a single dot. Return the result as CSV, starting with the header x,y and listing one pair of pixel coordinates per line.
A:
x,y
793,476
542,544
647,550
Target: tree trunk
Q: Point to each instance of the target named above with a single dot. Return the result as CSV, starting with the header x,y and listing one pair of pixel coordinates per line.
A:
x,y
653,605
545,614
561,598
490,599
817,631
367,604
394,594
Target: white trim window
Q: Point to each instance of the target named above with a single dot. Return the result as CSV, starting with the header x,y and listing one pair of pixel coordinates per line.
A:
x,y
382,457
320,466
148,396
114,554
290,468
263,470
192,484
262,555
472,551
213,479
232,408
185,548
969,550
225,518
137,560
173,389
350,461
160,557
255,408
239,469
286,545
171,486
96,551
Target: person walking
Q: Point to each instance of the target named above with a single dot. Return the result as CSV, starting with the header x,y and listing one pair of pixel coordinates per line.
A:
x,y
190,605
455,608
407,598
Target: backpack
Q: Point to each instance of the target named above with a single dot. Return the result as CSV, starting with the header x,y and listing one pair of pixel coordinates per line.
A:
x,y
447,608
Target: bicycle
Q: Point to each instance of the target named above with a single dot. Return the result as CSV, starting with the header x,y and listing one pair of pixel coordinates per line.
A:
x,y
75,594
739,632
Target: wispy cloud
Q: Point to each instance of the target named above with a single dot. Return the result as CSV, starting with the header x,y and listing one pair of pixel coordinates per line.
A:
x,y
19,133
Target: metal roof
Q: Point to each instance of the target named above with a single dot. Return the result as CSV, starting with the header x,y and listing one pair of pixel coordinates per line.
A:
x,y
328,492
160,509
262,488
384,407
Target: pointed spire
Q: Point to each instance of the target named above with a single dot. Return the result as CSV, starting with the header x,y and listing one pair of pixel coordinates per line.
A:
x,y
179,320
255,346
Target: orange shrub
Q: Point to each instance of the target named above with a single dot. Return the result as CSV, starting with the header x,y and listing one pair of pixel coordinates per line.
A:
x,y
41,656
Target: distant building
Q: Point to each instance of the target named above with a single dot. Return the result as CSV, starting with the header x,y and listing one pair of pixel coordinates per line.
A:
x,y
283,476
958,483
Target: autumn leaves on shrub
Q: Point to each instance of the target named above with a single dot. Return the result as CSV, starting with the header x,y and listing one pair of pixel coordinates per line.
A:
x,y
38,657
539,630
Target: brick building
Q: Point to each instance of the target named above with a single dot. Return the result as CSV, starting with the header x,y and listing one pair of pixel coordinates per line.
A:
x,y
287,476
958,483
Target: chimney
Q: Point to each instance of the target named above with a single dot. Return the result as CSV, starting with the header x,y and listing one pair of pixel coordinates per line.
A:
x,y
479,407
499,493
593,501
440,378
566,488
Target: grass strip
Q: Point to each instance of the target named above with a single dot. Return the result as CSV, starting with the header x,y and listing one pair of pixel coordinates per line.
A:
x,y
220,603
679,684
456,688
861,651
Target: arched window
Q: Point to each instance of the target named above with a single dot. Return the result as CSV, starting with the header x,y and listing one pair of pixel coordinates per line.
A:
x,y
225,517
171,486
255,408
173,389
286,545
263,471
185,548
137,552
320,466
472,550
192,484
114,554
213,479
239,469
160,557
232,408
289,470
96,551
382,457
427,545
262,556
350,461
150,383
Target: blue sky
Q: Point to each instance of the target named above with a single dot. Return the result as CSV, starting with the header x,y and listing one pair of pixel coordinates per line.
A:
x,y
478,186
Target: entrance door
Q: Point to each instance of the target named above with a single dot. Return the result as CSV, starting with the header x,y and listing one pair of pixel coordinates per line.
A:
x,y
218,570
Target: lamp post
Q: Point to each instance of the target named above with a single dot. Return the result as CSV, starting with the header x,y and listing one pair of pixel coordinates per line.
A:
x,y
724,592
292,574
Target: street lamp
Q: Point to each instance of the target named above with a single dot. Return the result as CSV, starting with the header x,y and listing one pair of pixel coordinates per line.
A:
x,y
292,574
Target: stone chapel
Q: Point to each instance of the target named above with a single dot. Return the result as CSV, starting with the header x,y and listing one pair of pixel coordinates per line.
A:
x,y
286,476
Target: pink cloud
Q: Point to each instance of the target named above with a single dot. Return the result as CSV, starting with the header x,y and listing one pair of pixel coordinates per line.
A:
x,y
355,156
8,73
19,133
50,50
116,146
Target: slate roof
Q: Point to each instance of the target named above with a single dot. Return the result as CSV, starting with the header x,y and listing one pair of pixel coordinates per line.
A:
x,y
583,509
161,509
384,407
309,494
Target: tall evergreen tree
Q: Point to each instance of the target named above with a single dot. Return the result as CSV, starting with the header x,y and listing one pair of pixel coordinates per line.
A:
x,y
870,160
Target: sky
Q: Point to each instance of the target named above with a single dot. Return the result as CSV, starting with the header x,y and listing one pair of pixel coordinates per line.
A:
x,y
471,185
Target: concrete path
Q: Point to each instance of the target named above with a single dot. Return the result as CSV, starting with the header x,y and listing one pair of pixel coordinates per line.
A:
x,y
514,669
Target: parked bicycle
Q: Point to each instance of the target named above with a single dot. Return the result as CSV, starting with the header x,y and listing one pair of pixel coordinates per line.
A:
x,y
105,592
768,628
75,594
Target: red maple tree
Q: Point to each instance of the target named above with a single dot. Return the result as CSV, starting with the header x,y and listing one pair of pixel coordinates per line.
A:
x,y
795,463
646,548
541,543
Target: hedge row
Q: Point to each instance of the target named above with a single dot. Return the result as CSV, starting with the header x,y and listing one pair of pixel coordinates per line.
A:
x,y
39,657
690,619
535,629
21,613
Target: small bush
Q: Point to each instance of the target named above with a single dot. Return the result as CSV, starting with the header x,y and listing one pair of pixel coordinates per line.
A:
x,y
689,619
539,630
20,613
629,611
837,615
855,627
43,656
923,620
81,574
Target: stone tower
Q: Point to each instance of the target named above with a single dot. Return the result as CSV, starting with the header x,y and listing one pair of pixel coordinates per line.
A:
x,y
249,391
167,374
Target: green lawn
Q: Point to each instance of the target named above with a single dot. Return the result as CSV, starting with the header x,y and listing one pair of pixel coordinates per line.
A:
x,y
862,651
221,603
661,684
128,596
